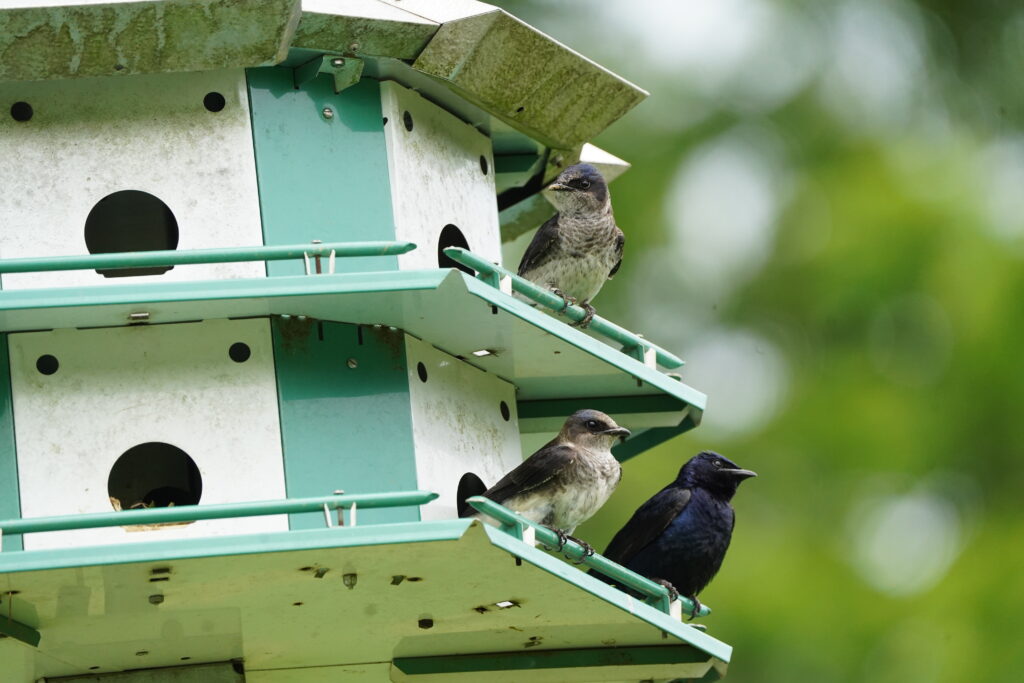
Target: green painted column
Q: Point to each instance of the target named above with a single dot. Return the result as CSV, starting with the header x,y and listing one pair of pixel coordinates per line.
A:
x,y
10,501
321,175
345,414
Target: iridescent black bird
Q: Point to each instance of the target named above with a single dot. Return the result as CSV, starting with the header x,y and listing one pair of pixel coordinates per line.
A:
x,y
568,479
580,247
678,538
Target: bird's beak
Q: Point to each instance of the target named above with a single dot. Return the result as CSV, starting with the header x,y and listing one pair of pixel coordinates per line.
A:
x,y
620,432
742,474
559,187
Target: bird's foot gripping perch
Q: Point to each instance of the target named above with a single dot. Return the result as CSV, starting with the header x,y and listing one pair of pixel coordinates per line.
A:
x,y
584,322
566,300
588,550
563,538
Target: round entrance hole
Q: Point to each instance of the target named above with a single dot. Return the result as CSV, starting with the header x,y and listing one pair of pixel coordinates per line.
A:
x,y
154,474
130,220
451,236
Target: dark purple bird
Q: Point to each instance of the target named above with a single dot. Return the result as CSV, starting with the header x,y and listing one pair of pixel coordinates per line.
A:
x,y
678,538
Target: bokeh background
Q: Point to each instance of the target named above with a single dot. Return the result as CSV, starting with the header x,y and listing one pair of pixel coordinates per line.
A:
x,y
825,218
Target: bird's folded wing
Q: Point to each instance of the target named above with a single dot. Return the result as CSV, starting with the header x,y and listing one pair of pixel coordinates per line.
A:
x,y
647,523
620,242
541,246
533,472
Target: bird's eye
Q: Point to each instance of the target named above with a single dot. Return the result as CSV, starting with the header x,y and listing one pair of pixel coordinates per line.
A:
x,y
584,184
592,424
719,464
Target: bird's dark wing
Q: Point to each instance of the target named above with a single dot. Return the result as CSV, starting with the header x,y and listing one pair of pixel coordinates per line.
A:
x,y
541,246
620,242
533,472
647,523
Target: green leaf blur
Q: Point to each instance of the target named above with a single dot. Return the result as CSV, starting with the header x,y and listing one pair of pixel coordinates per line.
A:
x,y
825,218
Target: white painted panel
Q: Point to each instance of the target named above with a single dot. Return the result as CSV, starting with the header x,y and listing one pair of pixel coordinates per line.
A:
x,y
457,425
116,388
91,137
436,178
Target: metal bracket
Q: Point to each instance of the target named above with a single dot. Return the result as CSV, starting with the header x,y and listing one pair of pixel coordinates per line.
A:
x,y
346,70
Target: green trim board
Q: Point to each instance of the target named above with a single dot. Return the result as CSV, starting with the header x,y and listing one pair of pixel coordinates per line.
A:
x,y
320,178
560,666
17,630
10,501
330,413
276,600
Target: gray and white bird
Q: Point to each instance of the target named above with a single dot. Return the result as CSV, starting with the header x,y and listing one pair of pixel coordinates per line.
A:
x,y
568,479
580,247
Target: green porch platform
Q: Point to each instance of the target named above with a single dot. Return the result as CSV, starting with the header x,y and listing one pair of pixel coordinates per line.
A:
x,y
552,364
443,600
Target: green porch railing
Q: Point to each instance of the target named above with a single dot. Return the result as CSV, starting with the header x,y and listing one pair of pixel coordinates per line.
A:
x,y
172,257
513,524
632,344
194,513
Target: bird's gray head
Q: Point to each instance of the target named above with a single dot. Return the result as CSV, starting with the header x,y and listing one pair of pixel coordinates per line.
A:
x,y
716,473
580,189
592,430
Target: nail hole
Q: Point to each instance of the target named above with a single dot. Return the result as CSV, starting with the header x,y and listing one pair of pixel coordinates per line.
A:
x,y
451,236
506,414
21,111
305,569
214,101
483,164
296,604
93,668
520,110
414,579
426,623
239,352
47,364
185,659
407,120
385,120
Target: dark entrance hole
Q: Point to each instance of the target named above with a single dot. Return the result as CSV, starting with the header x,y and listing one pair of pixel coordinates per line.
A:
x,y
130,220
451,236
469,485
154,474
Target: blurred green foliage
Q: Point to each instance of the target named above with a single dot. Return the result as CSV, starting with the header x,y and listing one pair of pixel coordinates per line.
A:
x,y
847,289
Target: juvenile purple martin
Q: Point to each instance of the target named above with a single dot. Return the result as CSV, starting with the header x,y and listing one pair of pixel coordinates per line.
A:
x,y
580,247
568,479
678,538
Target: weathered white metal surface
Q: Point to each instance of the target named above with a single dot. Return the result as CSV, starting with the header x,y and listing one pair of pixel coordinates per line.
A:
x,y
458,425
437,178
43,39
116,388
89,138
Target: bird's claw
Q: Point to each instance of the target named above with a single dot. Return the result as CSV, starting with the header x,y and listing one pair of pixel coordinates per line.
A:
x,y
673,592
584,322
563,538
566,300
588,550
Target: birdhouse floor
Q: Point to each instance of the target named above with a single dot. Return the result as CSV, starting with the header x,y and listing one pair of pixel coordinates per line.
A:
x,y
446,600
548,361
